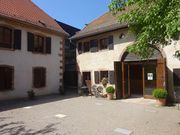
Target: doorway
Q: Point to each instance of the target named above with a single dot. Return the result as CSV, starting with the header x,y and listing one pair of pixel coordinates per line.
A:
x,y
136,79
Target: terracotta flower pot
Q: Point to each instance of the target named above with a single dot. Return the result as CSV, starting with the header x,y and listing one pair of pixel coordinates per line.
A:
x,y
161,102
109,96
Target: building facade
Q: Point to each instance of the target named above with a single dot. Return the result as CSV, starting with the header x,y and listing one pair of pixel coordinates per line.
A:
x,y
102,52
31,50
70,67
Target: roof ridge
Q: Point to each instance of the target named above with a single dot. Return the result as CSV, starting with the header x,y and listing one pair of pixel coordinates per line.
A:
x,y
96,19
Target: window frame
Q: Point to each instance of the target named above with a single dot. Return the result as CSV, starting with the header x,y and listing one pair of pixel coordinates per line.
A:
x,y
103,43
10,45
12,83
33,77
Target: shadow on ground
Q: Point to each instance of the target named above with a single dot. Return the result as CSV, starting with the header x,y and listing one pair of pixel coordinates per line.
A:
x,y
19,103
19,128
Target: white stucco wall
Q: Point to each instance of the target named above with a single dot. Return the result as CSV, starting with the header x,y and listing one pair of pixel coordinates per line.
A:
x,y
23,62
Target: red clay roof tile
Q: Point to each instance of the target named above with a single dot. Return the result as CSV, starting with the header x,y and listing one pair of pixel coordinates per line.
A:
x,y
27,11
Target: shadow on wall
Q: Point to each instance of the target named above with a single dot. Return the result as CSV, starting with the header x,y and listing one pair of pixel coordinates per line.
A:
x,y
16,128
19,103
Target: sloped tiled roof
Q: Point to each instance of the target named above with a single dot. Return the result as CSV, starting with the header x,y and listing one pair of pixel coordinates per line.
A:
x,y
26,11
104,23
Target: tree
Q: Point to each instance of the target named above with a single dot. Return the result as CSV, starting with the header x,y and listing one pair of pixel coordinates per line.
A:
x,y
154,22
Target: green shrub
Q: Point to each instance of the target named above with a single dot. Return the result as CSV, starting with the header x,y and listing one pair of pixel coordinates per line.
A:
x,y
160,93
110,89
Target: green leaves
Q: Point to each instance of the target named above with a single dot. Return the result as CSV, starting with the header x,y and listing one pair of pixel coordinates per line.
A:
x,y
154,22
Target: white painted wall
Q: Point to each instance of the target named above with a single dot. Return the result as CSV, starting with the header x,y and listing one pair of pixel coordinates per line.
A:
x,y
23,62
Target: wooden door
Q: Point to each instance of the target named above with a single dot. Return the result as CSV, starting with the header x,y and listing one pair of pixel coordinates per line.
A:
x,y
118,79
161,73
126,84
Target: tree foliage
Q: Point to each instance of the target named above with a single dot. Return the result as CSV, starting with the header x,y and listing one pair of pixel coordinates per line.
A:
x,y
154,22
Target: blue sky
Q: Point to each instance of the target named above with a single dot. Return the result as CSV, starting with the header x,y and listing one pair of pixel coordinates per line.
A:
x,y
74,12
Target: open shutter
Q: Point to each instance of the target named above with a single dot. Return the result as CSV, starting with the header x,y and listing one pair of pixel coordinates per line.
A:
x,y
118,79
30,42
111,77
48,45
17,39
111,44
161,73
96,75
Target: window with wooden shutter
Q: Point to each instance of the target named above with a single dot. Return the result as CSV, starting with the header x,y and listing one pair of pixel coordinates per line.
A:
x,y
39,44
39,77
176,76
96,77
17,39
5,37
94,45
6,78
104,43
48,45
111,43
111,77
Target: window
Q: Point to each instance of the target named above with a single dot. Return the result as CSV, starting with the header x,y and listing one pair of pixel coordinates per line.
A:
x,y
80,48
103,74
176,76
39,77
104,43
94,45
6,78
86,76
5,37
39,44
86,47
99,75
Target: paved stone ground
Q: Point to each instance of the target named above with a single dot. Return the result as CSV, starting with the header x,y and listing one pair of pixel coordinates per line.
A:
x,y
55,115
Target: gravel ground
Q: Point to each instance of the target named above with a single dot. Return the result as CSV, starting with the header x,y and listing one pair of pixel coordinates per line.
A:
x,y
55,115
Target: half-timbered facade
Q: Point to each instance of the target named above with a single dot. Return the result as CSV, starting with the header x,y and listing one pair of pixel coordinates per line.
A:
x,y
102,52
31,50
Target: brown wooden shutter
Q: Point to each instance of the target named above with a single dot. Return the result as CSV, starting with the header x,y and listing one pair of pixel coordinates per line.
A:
x,y
48,45
6,78
118,79
96,75
30,42
17,39
161,73
111,77
176,77
39,77
111,43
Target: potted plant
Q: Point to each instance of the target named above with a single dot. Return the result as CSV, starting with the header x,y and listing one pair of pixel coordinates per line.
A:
x,y
31,94
110,92
160,95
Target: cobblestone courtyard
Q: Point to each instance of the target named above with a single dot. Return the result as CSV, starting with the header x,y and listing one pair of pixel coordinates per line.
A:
x,y
56,115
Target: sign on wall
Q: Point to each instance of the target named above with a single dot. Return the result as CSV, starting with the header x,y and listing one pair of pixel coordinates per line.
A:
x,y
150,76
